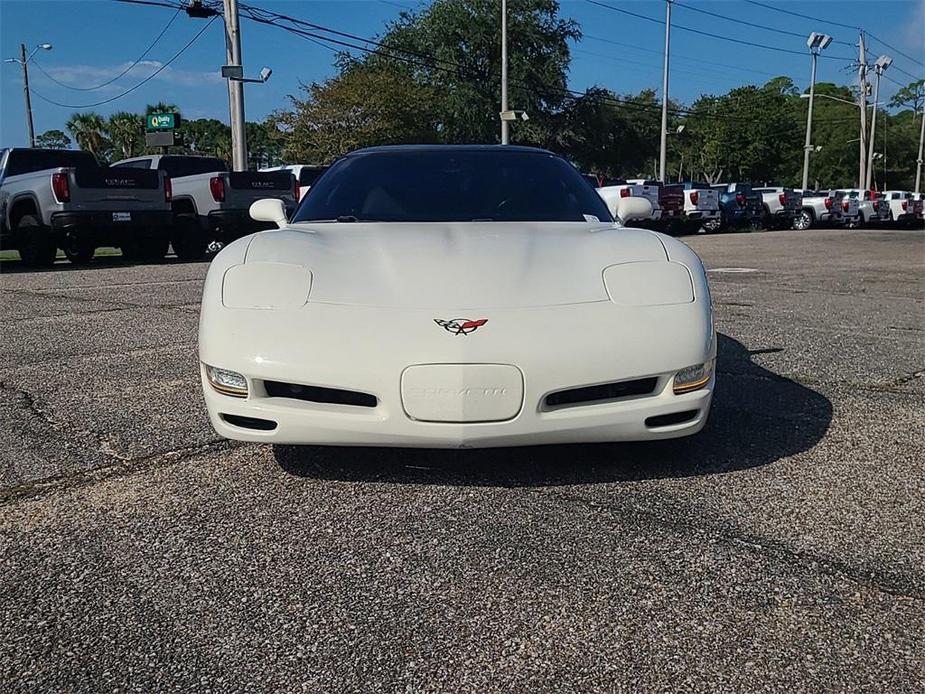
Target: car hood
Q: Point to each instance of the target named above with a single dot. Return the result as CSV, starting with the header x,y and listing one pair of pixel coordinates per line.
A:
x,y
456,265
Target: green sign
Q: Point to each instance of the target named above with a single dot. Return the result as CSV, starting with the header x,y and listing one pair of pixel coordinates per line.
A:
x,y
162,121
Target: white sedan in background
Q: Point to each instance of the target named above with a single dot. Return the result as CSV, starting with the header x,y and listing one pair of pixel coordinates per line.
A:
x,y
455,296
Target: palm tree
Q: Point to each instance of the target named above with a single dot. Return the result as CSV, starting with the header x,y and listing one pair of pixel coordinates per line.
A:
x,y
161,107
88,130
126,131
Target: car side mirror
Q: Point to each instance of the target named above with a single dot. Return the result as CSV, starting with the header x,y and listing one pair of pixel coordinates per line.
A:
x,y
269,210
632,208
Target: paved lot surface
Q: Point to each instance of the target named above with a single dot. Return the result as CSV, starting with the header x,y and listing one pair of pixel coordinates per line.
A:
x,y
782,548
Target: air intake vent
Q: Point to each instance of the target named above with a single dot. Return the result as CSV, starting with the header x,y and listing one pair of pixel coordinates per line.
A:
x,y
333,396
606,391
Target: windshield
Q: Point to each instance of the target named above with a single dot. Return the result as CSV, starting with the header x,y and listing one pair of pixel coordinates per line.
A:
x,y
452,185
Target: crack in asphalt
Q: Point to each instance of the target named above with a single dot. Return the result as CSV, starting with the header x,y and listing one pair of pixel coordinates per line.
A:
x,y
122,466
896,586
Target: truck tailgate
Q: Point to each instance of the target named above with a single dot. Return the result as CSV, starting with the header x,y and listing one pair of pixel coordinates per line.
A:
x,y
707,199
247,186
116,188
671,200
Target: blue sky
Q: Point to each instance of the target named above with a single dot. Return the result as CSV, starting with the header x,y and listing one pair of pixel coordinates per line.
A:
x,y
94,40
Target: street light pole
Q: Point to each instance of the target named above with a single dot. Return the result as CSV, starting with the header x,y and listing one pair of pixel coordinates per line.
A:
x,y
883,62
663,141
807,146
235,87
505,125
816,43
918,162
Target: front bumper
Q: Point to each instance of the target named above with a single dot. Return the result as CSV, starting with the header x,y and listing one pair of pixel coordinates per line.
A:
x,y
628,343
111,220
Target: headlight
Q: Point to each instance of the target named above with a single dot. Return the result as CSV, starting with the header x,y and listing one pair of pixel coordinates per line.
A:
x,y
649,283
260,285
227,382
692,378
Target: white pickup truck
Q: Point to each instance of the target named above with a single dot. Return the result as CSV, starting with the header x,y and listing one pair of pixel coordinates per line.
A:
x,y
211,204
850,208
781,206
615,189
305,174
872,208
818,208
904,208
701,207
55,198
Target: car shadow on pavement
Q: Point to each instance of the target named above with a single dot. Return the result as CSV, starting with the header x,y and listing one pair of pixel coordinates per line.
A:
x,y
758,417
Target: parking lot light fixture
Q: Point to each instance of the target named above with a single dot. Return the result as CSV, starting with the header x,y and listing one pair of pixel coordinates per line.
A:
x,y
816,43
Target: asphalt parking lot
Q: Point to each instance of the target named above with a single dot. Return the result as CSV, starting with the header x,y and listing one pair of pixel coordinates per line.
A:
x,y
782,548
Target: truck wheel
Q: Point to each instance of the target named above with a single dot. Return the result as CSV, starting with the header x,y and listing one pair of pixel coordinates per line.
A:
x,y
38,248
77,250
188,241
803,221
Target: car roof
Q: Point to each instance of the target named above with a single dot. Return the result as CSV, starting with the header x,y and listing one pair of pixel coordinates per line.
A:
x,y
388,149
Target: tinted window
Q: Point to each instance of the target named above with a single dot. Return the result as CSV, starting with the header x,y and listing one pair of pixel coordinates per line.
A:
x,y
188,166
28,160
452,185
308,176
137,164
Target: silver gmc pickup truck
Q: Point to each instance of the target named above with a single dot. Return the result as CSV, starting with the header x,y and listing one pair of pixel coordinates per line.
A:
x,y
58,198
211,204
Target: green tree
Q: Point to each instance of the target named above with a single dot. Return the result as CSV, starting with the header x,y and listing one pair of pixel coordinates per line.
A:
x,y
206,136
89,131
126,132
362,106
912,95
53,139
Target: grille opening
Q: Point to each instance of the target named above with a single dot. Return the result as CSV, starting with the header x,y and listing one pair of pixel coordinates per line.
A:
x,y
606,391
333,396
666,420
249,422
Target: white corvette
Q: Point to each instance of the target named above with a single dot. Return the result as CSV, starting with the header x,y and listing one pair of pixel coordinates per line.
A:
x,y
469,296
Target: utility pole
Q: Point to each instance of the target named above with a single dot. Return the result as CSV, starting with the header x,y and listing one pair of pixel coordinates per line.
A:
x,y
862,78
919,162
25,91
505,125
883,62
235,87
663,141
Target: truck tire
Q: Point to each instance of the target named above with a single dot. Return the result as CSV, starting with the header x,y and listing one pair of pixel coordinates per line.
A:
x,y
188,241
804,220
38,248
79,251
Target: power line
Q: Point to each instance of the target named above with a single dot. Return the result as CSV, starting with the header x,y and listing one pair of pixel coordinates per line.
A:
x,y
131,89
803,16
750,24
121,74
675,56
897,51
713,36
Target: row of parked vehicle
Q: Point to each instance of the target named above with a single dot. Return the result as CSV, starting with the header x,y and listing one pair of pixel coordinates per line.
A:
x,y
64,199
691,207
